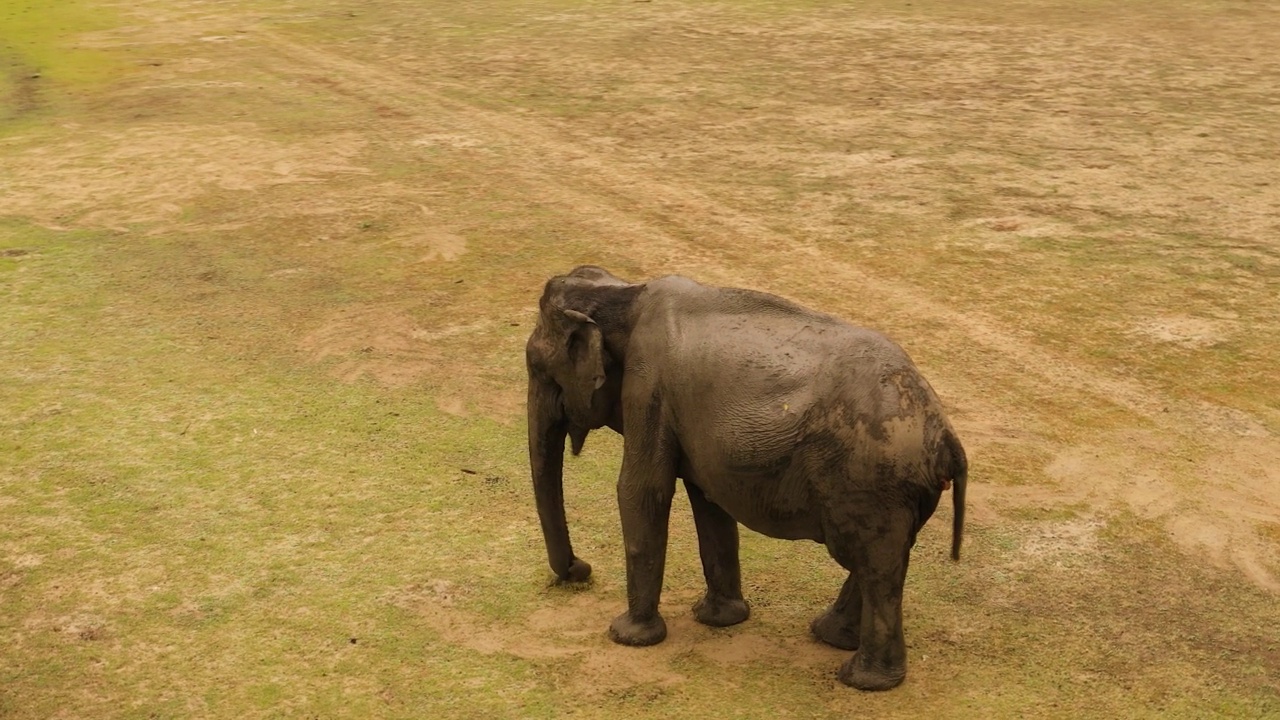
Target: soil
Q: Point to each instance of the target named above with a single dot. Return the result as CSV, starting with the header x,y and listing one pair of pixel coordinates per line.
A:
x,y
855,164
572,630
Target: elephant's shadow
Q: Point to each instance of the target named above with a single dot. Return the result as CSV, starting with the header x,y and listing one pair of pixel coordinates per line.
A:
x,y
572,625
568,627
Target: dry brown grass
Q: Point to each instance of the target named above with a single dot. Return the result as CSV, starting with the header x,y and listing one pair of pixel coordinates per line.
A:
x,y
265,289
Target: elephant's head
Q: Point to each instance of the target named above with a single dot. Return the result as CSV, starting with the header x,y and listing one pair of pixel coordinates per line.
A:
x,y
574,358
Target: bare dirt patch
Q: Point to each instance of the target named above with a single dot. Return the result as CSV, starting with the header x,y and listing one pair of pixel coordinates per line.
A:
x,y
1189,332
573,628
381,342
146,174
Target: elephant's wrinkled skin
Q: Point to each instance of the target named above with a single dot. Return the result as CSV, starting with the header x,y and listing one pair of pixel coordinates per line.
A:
x,y
791,422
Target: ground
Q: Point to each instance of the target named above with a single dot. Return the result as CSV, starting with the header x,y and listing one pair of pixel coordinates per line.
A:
x,y
267,267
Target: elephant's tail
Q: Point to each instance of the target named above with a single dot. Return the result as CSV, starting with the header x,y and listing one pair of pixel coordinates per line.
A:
x,y
958,472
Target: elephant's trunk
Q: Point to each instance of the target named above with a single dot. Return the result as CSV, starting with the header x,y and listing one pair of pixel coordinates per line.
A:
x,y
547,431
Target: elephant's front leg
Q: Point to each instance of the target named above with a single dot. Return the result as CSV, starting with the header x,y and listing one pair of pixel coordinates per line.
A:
x,y
718,545
645,488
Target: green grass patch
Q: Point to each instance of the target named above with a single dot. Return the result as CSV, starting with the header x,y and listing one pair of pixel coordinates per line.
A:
x,y
46,39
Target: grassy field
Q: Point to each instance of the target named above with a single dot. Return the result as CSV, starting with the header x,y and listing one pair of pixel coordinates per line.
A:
x,y
267,268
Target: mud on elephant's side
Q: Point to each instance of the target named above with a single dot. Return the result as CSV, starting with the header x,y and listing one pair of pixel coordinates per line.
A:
x,y
791,422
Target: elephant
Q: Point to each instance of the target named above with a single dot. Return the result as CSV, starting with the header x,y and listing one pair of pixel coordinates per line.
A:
x,y
789,421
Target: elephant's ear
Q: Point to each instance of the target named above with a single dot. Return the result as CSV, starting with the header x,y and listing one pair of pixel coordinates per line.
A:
x,y
586,354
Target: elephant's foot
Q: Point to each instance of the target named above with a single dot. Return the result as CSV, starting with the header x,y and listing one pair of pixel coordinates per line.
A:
x,y
579,572
718,611
835,630
626,631
855,675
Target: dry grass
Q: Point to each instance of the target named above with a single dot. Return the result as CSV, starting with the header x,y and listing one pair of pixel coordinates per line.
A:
x,y
267,275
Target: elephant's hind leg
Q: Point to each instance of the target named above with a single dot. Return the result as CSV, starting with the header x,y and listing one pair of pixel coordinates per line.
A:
x,y
840,624
718,545
878,549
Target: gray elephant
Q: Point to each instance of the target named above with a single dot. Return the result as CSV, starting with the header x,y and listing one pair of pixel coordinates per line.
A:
x,y
791,422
